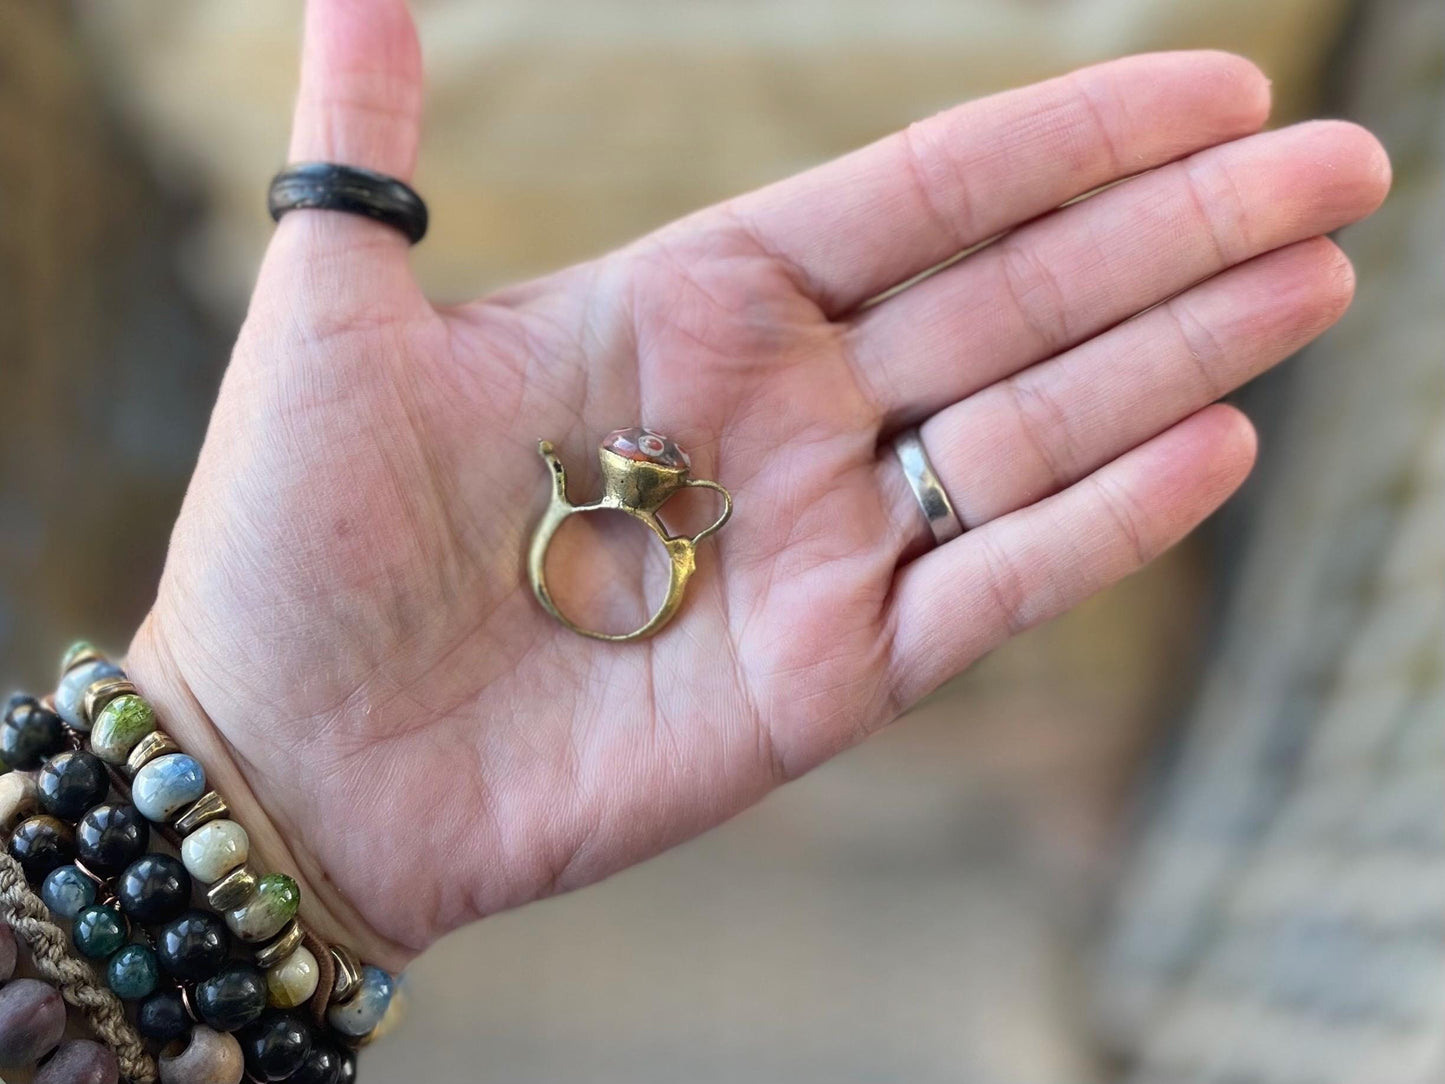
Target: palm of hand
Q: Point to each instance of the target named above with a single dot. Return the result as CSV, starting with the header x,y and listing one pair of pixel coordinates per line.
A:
x,y
427,690
344,600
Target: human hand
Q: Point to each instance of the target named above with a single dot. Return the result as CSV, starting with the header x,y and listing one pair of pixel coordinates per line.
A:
x,y
344,634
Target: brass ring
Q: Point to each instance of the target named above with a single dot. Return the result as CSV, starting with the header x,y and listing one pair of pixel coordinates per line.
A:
x,y
641,470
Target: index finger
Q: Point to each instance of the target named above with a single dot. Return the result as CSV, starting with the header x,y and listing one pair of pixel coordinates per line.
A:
x,y
869,221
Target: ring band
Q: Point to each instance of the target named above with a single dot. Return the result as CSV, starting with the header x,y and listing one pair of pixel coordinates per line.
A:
x,y
327,186
937,509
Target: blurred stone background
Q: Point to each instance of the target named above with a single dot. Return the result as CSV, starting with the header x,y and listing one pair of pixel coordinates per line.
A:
x,y
926,908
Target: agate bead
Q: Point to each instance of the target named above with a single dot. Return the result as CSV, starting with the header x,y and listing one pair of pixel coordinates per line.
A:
x,y
32,1021
29,733
67,891
123,722
208,1057
215,849
111,837
70,783
163,1016
132,973
70,694
167,785
80,1061
80,650
232,998
193,947
154,888
41,844
98,931
323,1065
292,982
363,1011
263,916
276,1046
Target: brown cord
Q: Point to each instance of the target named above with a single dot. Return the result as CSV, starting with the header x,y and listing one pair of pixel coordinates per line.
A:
x,y
50,947
326,969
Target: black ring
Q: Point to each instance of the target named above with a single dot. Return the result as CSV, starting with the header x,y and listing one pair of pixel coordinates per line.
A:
x,y
330,187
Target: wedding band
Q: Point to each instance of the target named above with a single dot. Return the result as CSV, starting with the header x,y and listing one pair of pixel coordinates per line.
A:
x,y
943,521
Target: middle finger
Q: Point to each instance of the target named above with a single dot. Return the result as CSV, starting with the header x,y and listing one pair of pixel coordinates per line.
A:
x,y
1086,267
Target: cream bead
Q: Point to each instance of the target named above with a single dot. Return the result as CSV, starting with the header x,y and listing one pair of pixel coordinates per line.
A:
x,y
214,850
18,798
209,1057
292,982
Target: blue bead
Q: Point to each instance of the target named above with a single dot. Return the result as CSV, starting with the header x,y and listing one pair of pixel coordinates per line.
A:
x,y
166,785
133,972
365,1008
70,694
67,891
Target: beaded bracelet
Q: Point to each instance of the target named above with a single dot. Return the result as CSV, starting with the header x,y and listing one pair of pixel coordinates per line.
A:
x,y
99,715
108,884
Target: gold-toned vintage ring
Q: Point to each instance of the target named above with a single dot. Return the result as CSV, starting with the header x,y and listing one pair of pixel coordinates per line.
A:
x,y
640,471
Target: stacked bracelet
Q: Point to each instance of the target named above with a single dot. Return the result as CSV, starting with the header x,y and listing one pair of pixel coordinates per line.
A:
x,y
32,1029
91,860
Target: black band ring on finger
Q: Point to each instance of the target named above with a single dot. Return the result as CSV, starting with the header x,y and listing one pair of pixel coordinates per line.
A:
x,y
328,186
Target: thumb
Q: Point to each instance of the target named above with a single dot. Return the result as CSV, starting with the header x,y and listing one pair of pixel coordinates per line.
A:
x,y
359,104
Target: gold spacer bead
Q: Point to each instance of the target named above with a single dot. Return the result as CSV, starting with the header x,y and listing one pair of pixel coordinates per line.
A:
x,y
348,974
232,890
208,807
155,744
282,946
100,693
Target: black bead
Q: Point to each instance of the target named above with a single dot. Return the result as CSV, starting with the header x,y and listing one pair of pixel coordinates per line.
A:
x,y
41,844
154,888
232,998
163,1016
111,837
323,1065
276,1047
29,733
72,782
193,947
348,1067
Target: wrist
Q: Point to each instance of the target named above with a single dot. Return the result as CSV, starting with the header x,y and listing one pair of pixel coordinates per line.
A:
x,y
275,842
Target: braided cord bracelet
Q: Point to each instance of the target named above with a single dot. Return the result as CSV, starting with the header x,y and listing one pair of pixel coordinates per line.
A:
x,y
54,959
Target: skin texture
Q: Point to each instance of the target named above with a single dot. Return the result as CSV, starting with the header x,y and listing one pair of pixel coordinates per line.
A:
x,y
343,634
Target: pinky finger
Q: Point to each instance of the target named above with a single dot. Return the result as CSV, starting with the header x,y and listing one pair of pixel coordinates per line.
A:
x,y
963,599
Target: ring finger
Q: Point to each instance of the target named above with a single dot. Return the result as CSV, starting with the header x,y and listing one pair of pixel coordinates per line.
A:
x,y
1040,430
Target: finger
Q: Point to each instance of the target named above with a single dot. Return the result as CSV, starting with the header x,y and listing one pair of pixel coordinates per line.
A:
x,y
1073,273
359,104
961,600
870,220
1045,428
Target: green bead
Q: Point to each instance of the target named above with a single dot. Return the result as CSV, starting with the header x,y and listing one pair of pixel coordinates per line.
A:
x,y
274,903
75,651
98,931
121,725
133,972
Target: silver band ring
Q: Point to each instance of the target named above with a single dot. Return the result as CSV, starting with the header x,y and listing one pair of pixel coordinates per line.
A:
x,y
943,521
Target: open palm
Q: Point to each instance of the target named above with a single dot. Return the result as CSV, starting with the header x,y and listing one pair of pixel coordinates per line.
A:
x,y
344,631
